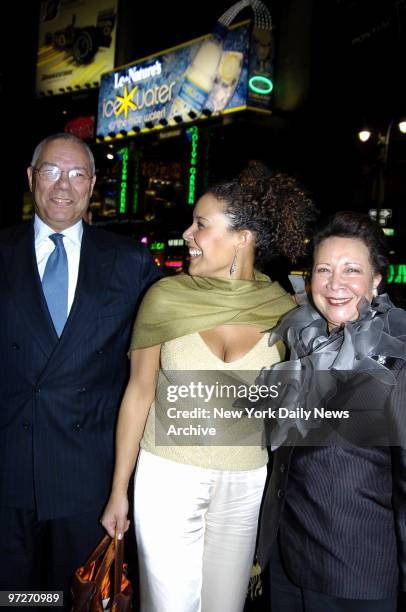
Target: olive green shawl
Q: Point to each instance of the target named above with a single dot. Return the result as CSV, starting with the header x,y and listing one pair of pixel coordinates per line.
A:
x,y
179,305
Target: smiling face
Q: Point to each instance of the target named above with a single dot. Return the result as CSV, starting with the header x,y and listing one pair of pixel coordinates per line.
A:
x,y
342,275
213,244
60,204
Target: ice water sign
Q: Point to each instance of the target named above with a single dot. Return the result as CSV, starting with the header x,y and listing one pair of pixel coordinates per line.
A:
x,y
206,76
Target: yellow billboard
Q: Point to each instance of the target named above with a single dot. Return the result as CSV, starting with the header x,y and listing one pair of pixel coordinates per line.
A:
x,y
76,44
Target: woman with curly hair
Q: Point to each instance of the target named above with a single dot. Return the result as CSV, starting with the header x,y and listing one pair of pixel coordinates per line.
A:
x,y
199,477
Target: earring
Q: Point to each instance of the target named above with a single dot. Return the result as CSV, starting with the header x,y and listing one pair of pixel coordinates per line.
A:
x,y
375,292
233,266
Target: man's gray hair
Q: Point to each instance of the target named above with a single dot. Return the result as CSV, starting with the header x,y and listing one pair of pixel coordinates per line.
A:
x,y
63,136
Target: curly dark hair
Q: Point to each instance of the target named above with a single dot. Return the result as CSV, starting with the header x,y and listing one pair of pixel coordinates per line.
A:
x,y
270,204
347,224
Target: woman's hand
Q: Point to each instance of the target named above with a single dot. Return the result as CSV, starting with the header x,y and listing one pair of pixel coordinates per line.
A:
x,y
114,518
133,414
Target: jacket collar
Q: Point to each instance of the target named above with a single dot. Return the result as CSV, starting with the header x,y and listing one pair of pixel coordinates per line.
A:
x,y
95,268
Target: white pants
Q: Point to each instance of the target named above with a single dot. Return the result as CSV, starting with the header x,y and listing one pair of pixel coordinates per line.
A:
x,y
196,530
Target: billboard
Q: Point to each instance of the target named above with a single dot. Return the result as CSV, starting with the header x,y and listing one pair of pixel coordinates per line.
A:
x,y
76,44
209,75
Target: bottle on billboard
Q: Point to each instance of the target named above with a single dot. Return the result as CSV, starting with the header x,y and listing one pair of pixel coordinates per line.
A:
x,y
199,78
226,80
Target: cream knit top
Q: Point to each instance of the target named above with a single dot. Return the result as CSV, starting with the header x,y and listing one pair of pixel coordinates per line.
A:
x,y
238,441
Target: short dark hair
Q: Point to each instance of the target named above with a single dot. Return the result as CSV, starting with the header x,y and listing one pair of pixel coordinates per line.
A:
x,y
270,204
347,224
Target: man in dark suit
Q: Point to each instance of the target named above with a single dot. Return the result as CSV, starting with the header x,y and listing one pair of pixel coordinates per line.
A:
x,y
68,298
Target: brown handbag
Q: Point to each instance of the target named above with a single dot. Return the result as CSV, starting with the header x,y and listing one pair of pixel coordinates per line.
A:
x,y
92,583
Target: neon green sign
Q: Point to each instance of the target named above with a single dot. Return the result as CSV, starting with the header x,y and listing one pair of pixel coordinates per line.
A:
x,y
136,186
157,246
388,231
260,84
397,274
194,140
124,179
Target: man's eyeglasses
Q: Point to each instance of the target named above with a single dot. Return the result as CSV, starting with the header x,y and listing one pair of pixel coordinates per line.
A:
x,y
52,173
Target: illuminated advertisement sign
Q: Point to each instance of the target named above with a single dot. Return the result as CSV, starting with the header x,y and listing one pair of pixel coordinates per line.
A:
x,y
193,136
207,76
76,44
260,78
397,274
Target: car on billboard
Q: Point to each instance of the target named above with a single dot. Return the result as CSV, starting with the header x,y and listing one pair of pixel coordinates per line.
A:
x,y
83,42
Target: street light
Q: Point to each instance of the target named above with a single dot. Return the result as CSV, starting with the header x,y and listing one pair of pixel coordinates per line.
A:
x,y
378,188
364,135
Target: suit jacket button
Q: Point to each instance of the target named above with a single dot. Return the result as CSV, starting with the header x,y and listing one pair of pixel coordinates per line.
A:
x,y
280,493
15,346
100,352
77,427
282,467
26,425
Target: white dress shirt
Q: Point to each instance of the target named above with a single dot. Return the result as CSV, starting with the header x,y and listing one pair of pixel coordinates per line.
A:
x,y
72,240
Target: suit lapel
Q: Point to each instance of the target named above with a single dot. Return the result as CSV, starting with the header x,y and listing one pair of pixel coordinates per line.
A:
x,y
95,268
25,286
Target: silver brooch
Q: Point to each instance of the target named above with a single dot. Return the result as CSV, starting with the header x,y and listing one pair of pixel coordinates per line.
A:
x,y
381,359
